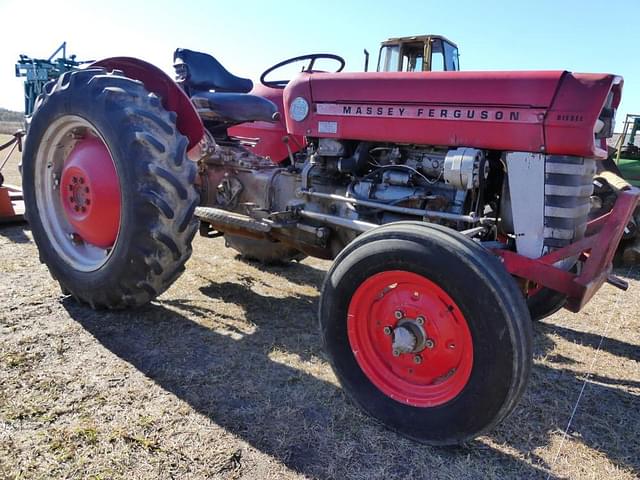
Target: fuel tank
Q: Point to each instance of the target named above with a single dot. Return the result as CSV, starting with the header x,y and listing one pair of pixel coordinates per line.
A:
x,y
555,112
267,139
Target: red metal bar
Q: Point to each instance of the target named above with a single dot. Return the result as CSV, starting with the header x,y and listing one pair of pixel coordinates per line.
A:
x,y
598,246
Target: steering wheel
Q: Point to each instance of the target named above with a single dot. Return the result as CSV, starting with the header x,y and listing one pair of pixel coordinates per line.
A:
x,y
312,59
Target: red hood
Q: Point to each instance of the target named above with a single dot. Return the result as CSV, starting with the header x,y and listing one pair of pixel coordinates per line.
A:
x,y
533,89
548,111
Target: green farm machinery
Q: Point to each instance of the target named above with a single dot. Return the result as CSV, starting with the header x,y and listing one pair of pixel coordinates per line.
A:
x,y
627,154
39,71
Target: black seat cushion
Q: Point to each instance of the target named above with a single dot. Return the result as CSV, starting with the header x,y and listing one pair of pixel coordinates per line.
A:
x,y
201,72
234,108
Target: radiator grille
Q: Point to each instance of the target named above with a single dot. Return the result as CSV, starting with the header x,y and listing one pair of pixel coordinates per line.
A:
x,y
567,191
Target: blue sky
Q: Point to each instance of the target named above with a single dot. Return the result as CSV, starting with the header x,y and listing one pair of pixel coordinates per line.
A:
x,y
249,36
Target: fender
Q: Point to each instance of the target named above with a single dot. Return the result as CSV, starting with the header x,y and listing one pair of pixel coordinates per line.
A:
x,y
173,97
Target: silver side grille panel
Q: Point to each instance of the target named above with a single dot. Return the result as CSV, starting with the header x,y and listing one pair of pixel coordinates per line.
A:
x,y
549,200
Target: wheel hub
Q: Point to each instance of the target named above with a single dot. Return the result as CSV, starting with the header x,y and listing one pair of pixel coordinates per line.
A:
x,y
410,338
90,193
79,193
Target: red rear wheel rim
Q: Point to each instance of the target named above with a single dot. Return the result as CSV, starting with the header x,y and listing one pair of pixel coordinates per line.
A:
x,y
435,373
90,192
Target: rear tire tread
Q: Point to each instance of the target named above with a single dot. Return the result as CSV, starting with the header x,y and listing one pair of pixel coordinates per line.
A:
x,y
159,245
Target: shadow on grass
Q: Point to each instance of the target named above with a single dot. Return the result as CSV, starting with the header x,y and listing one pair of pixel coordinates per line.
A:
x,y
306,422
613,346
15,232
606,419
295,272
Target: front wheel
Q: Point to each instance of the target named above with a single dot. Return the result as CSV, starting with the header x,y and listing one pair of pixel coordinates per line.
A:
x,y
108,189
426,331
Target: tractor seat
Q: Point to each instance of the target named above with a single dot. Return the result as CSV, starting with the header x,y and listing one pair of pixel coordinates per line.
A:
x,y
234,108
197,71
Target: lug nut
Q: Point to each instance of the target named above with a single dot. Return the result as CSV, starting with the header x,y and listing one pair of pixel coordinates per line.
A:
x,y
75,238
398,314
429,343
420,320
396,352
417,359
387,330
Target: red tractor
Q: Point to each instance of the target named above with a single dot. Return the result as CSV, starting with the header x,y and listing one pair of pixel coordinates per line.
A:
x,y
455,206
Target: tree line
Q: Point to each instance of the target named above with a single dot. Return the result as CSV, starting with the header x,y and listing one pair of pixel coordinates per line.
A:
x,y
10,116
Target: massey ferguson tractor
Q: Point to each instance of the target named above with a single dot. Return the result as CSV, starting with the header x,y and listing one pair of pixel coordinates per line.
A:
x,y
455,206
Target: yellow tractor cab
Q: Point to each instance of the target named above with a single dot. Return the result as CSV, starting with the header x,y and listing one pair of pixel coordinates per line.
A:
x,y
423,53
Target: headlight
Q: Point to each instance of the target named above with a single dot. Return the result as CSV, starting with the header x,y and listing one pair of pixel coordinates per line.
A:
x,y
603,127
299,109
597,128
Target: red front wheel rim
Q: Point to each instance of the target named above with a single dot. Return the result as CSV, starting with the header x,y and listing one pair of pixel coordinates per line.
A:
x,y
383,309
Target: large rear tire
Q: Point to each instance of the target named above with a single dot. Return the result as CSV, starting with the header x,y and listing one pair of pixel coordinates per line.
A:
x,y
470,357
108,189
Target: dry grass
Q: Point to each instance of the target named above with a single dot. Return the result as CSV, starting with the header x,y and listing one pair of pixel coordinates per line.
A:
x,y
223,377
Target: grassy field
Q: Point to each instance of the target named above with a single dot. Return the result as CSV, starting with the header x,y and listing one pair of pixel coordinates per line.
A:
x,y
223,377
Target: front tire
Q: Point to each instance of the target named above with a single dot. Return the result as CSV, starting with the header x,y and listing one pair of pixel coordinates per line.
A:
x,y
108,189
470,357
